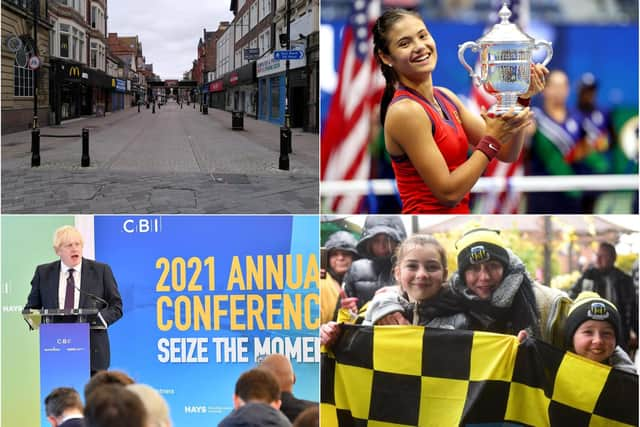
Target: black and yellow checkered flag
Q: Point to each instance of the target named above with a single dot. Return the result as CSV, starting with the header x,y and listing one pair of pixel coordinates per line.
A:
x,y
387,376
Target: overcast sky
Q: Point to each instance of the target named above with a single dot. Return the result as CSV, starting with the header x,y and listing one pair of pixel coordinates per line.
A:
x,y
168,30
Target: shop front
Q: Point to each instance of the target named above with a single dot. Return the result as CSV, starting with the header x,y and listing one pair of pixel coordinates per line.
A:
x,y
118,89
100,91
272,90
216,94
241,90
71,96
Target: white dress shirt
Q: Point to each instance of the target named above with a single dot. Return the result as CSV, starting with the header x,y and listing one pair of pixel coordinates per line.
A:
x,y
62,284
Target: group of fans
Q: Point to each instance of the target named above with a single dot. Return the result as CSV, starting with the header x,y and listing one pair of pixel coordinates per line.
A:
x,y
395,280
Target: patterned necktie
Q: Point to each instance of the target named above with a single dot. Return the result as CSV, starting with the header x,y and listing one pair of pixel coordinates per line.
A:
x,y
69,297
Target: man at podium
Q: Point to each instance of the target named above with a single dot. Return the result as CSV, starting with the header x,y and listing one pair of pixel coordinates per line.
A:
x,y
75,282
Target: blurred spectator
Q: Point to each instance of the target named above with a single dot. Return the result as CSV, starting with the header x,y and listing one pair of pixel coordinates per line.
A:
x,y
256,401
596,130
380,236
113,405
155,405
615,286
341,251
280,366
63,408
557,145
106,377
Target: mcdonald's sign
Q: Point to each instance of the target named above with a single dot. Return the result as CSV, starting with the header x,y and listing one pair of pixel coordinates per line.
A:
x,y
74,71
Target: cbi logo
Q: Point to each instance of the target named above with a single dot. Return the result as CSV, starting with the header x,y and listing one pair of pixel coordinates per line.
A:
x,y
142,225
74,71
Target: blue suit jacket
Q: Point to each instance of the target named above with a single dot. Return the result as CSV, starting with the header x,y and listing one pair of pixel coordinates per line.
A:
x,y
97,279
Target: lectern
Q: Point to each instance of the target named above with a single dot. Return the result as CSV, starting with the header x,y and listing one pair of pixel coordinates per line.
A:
x,y
65,353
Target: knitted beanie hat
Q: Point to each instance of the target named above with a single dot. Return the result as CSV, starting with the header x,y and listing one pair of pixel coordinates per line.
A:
x,y
480,245
590,306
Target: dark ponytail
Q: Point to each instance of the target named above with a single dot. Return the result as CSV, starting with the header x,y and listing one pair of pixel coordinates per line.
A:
x,y
381,45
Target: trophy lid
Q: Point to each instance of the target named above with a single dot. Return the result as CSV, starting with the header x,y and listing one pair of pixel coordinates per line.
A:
x,y
505,31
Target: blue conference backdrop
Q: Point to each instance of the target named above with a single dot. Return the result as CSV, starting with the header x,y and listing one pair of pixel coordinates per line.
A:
x,y
205,298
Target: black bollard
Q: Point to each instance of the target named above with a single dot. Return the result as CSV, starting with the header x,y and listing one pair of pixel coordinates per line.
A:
x,y
85,162
153,110
285,134
138,107
35,147
147,105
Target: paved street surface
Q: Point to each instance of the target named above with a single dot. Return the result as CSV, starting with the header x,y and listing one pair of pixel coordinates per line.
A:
x,y
174,161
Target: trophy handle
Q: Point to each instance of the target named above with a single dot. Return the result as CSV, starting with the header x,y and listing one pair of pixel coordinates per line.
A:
x,y
547,46
474,48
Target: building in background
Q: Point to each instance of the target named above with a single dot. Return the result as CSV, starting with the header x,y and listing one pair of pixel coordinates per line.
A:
x,y
17,77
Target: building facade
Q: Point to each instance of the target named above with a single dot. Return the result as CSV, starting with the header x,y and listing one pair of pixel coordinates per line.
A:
x,y
17,77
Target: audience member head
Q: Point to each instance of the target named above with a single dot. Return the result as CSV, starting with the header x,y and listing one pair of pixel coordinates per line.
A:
x,y
68,244
380,236
62,402
587,92
155,405
341,250
257,385
106,377
593,327
310,417
420,267
280,366
556,90
606,256
482,261
113,405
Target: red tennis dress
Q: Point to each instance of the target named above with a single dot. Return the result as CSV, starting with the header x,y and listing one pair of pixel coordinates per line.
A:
x,y
450,138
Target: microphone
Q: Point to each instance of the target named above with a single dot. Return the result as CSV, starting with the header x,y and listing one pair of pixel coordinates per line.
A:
x,y
96,297
106,304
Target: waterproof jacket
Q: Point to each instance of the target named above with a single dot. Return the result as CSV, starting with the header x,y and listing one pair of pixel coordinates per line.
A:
x,y
368,275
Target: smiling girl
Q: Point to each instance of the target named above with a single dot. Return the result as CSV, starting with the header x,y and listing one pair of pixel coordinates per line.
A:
x,y
593,330
428,130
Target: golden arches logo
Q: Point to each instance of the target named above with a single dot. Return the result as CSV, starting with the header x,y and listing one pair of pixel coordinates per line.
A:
x,y
74,71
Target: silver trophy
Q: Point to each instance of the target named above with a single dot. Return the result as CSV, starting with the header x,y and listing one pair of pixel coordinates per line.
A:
x,y
505,58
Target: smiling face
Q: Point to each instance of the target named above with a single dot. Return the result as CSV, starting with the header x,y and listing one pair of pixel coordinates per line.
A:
x,y
482,279
595,340
411,49
420,272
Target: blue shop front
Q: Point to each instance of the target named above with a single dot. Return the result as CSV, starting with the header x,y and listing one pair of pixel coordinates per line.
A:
x,y
118,87
272,86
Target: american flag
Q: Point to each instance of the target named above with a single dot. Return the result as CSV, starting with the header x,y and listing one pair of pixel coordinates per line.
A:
x,y
506,202
345,136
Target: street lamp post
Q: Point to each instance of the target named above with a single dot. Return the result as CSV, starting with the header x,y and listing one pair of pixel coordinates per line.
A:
x,y
287,117
35,11
285,131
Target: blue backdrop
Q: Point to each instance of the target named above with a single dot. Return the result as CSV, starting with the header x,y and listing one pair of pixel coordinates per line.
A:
x,y
202,301
610,52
